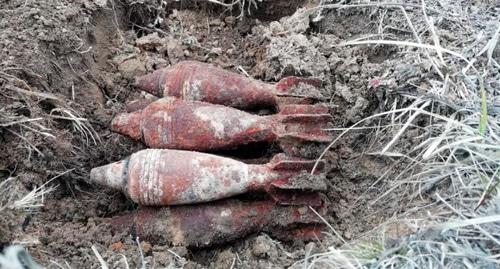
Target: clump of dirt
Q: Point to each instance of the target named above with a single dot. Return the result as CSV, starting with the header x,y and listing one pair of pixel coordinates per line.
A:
x,y
306,181
310,150
307,90
295,55
68,67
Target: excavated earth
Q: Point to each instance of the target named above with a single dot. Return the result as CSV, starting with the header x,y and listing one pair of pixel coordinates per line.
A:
x,y
71,65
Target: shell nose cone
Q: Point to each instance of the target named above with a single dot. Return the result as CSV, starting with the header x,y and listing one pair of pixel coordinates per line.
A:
x,y
98,175
111,175
128,124
151,83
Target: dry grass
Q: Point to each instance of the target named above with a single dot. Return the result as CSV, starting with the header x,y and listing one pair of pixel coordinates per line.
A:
x,y
11,199
30,127
80,124
240,4
457,161
35,129
13,202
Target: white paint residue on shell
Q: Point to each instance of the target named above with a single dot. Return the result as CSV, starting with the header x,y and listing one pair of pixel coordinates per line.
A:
x,y
260,177
157,187
164,127
227,178
191,90
211,177
210,183
215,117
244,123
150,184
225,122
226,213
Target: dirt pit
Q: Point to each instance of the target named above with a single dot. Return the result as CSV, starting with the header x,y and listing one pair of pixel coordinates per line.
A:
x,y
69,66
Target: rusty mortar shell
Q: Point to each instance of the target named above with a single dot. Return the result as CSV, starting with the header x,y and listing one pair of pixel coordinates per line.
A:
x,y
190,125
173,177
220,222
197,81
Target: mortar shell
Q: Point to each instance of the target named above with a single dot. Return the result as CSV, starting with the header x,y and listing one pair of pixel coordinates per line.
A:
x,y
188,125
220,222
197,81
173,177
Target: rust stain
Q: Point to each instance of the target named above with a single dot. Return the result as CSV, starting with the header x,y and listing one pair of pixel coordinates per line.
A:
x,y
200,111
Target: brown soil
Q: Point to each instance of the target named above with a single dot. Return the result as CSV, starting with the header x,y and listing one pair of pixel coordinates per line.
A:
x,y
81,57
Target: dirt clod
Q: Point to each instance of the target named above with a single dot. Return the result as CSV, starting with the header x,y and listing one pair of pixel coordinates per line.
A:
x,y
131,68
306,181
295,55
264,247
150,42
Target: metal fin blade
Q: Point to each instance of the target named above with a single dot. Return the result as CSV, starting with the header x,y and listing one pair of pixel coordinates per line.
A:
x,y
284,162
296,197
290,86
304,123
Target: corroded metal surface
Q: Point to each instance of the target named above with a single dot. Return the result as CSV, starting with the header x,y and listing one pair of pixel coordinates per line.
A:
x,y
196,81
199,110
172,177
190,125
221,222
